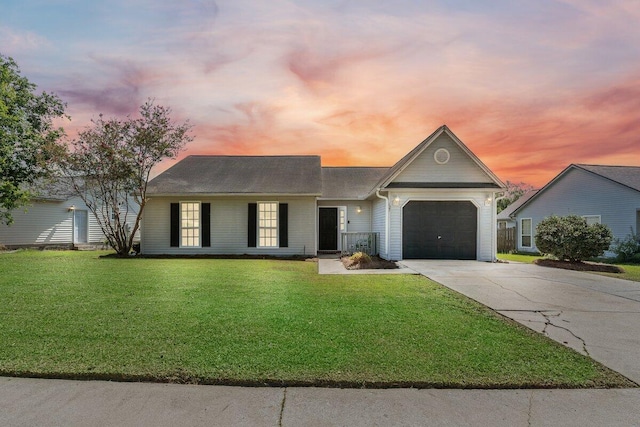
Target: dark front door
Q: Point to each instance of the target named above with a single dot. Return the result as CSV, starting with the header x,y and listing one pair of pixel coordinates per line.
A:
x,y
328,229
439,230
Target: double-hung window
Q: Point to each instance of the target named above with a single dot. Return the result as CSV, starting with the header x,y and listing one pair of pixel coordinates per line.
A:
x,y
525,232
592,219
190,224
268,224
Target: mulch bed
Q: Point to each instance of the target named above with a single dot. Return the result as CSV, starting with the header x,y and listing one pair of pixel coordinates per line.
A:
x,y
375,264
579,266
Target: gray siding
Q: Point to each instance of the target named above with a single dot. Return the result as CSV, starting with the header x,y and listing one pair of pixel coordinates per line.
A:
x,y
378,219
460,168
48,223
229,216
579,192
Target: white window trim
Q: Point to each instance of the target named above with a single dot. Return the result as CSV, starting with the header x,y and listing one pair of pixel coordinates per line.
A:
x,y
199,224
599,217
258,245
528,235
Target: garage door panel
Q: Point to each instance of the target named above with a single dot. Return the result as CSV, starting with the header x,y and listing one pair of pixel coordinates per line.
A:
x,y
439,230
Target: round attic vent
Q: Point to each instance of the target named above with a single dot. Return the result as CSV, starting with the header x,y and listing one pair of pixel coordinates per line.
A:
x,y
441,156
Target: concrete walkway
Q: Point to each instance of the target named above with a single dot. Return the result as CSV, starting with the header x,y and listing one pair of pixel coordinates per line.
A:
x,y
595,315
36,402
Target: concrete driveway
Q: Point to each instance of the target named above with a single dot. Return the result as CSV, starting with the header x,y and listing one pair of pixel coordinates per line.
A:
x,y
596,315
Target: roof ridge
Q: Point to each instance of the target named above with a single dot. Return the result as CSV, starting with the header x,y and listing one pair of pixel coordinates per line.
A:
x,y
605,166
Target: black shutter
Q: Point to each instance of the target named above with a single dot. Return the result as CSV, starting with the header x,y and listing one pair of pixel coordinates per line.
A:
x,y
283,217
252,225
206,224
175,225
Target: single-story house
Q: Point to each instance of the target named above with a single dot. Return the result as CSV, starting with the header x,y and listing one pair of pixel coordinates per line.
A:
x,y
601,194
436,202
55,218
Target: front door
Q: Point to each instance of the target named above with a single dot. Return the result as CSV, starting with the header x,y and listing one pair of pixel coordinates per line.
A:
x,y
80,226
328,229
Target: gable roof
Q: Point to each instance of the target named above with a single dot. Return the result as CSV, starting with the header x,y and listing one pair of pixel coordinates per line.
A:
x,y
296,175
627,176
349,182
402,164
506,212
55,189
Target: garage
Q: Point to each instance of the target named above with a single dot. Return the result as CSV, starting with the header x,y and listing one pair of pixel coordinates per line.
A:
x,y
439,230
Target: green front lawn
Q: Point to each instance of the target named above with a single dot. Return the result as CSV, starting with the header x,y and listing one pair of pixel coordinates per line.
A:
x,y
73,314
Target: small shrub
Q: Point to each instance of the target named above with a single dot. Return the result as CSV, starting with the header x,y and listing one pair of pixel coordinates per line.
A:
x,y
359,258
627,249
571,238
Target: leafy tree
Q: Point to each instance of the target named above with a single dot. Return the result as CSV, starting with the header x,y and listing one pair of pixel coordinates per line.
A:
x,y
109,165
571,238
513,192
27,135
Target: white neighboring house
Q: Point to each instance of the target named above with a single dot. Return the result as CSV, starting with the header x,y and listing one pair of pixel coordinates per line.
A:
x,y
601,194
437,202
55,218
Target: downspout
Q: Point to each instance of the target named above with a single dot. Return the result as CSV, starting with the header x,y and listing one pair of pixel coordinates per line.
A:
x,y
494,238
386,221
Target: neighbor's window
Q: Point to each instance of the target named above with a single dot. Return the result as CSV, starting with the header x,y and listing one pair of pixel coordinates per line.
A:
x,y
525,232
190,224
268,224
592,219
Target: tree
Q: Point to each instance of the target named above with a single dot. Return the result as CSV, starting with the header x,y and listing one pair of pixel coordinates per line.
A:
x,y
513,192
109,164
571,238
27,135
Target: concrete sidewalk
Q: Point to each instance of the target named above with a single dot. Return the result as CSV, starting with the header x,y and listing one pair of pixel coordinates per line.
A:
x,y
39,402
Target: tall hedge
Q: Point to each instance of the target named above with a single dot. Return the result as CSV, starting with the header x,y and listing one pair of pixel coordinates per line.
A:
x,y
570,238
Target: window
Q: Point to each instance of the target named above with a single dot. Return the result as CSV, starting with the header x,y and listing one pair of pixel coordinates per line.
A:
x,y
268,224
190,224
342,220
592,219
525,232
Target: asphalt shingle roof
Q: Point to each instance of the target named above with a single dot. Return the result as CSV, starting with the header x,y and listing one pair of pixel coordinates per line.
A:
x,y
241,175
350,182
506,212
625,175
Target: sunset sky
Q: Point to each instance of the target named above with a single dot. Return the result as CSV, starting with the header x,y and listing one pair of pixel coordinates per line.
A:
x,y
529,86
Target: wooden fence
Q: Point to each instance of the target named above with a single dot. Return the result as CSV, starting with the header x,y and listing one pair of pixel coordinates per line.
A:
x,y
506,240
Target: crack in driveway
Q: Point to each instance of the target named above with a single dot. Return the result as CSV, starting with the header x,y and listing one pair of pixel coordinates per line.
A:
x,y
548,322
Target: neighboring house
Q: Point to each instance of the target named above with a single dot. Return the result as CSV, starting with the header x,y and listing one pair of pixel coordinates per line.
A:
x,y
601,194
55,217
504,217
436,202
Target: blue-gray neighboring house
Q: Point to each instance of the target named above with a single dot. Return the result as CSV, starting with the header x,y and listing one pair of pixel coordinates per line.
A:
x,y
601,194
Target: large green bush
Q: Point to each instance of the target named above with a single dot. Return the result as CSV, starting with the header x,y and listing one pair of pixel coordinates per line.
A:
x,y
571,238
